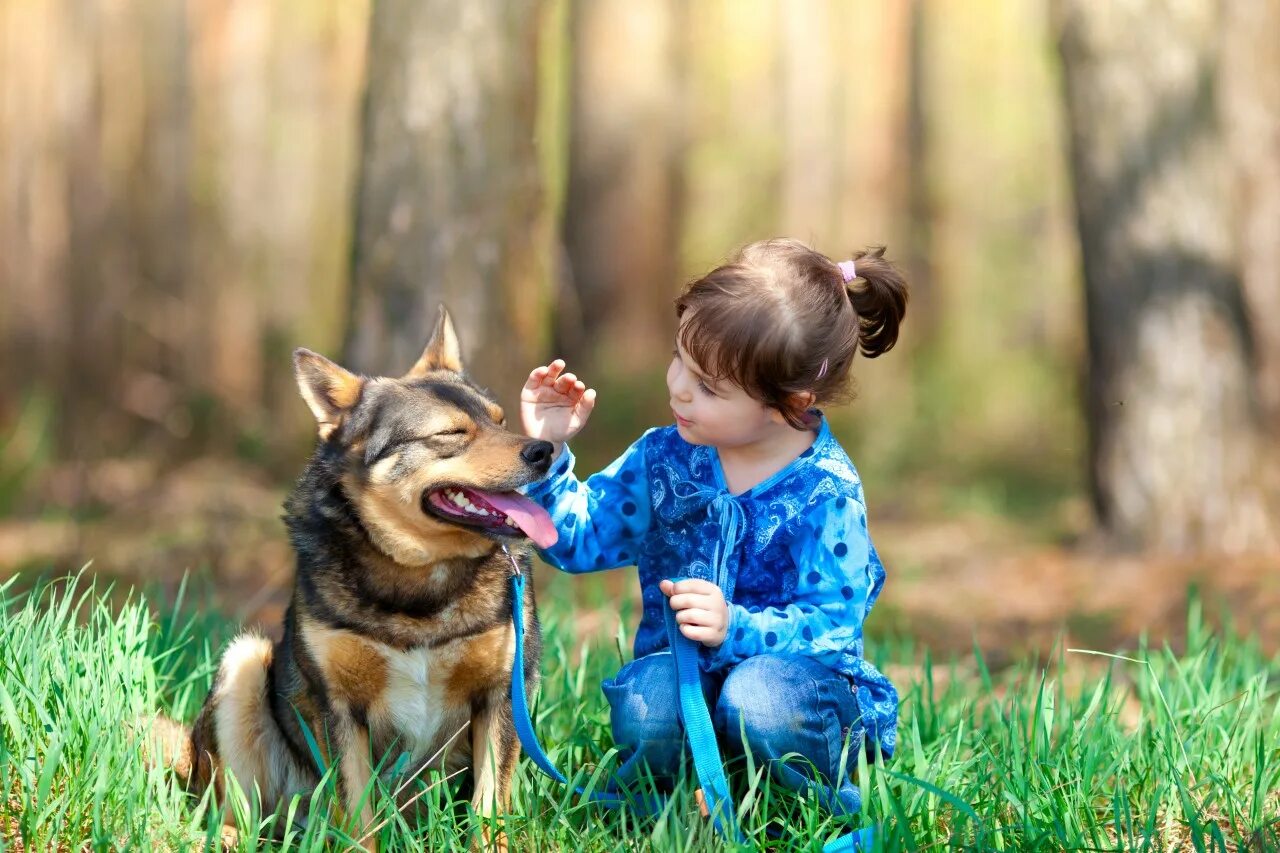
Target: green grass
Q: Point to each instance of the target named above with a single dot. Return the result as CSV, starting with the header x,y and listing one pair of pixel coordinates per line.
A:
x,y
1158,750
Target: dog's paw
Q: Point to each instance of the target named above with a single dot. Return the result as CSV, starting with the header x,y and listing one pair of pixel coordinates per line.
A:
x,y
490,841
230,839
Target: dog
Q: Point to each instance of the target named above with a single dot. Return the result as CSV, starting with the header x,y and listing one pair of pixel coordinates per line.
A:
x,y
399,632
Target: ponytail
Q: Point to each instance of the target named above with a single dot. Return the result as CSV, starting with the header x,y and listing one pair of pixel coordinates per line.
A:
x,y
879,298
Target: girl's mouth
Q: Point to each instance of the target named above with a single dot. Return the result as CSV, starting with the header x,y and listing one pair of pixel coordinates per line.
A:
x,y
681,421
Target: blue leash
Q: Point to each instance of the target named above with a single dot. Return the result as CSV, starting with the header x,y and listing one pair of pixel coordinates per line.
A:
x,y
612,796
697,725
700,732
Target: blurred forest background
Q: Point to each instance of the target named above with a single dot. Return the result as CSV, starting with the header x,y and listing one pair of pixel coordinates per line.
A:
x,y
1077,427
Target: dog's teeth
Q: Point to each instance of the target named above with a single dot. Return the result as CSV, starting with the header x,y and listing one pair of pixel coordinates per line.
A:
x,y
459,500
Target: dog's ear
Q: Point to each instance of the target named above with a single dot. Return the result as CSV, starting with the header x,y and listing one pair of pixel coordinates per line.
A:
x,y
442,352
329,390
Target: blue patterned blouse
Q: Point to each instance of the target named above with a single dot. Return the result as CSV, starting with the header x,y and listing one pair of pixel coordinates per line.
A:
x,y
792,554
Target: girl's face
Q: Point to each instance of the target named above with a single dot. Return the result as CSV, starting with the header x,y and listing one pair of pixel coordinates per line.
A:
x,y
720,414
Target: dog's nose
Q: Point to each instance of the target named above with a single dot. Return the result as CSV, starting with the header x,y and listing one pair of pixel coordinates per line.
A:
x,y
538,454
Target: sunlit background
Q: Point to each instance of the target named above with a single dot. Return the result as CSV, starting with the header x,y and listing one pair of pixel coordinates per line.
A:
x,y
188,191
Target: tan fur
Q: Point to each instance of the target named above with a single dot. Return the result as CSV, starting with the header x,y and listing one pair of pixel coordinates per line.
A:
x,y
357,772
328,389
355,669
170,744
243,684
442,352
390,509
485,758
249,745
483,664
410,538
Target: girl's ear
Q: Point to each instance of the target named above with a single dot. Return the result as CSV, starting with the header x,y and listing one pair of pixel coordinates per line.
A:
x,y
798,402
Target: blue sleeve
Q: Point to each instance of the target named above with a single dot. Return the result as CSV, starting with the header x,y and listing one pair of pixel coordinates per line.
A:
x,y
601,522
832,554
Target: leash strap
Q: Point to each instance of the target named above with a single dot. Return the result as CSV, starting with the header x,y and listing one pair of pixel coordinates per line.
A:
x,y
611,796
700,732
697,725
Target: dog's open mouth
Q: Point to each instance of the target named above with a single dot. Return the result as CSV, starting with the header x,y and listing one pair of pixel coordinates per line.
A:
x,y
504,513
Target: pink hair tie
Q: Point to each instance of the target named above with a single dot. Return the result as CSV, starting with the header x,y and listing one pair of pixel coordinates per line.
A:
x,y
822,371
848,270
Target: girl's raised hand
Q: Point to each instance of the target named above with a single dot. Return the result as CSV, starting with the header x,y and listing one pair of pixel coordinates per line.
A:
x,y
554,405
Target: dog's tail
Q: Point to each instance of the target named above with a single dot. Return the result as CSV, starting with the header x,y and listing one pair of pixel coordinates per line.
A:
x,y
166,743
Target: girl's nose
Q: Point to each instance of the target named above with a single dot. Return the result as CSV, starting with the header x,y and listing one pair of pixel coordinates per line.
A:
x,y
678,387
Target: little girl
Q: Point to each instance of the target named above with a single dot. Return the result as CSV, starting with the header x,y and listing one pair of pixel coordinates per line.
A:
x,y
750,497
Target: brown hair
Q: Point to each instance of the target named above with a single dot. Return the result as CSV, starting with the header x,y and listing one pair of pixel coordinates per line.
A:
x,y
779,319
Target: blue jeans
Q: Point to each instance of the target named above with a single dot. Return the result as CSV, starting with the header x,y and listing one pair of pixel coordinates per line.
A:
x,y
773,705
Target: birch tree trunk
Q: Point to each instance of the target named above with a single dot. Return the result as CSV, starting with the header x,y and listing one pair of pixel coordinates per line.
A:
x,y
449,199
1251,77
1176,451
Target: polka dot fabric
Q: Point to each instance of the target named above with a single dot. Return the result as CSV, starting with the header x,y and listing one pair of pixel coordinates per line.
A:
x,y
797,565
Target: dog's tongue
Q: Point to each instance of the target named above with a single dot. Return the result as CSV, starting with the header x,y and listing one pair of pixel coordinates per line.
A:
x,y
527,515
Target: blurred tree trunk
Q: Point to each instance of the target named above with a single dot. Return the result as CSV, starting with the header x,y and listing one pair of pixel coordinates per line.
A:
x,y
449,201
919,202
1176,450
622,209
811,68
1251,84
166,215
88,377
126,142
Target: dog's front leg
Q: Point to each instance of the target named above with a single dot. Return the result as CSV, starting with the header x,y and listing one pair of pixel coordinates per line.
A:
x,y
494,752
355,773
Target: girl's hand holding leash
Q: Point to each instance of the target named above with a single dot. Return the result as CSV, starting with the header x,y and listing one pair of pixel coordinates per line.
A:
x,y
555,405
701,611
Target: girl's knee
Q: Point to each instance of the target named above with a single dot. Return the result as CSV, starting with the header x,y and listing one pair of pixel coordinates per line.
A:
x,y
780,704
643,712
770,694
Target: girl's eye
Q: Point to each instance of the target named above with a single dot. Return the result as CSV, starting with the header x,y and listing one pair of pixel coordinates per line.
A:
x,y
702,386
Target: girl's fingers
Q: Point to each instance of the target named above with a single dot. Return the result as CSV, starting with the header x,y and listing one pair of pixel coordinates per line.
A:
x,y
565,382
697,616
535,378
553,371
684,600
699,634
696,585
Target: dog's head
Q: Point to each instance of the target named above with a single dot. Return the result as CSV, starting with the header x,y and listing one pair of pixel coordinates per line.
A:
x,y
427,459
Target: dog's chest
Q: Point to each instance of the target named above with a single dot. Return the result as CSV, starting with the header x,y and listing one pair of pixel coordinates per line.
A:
x,y
429,693
417,706
416,700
